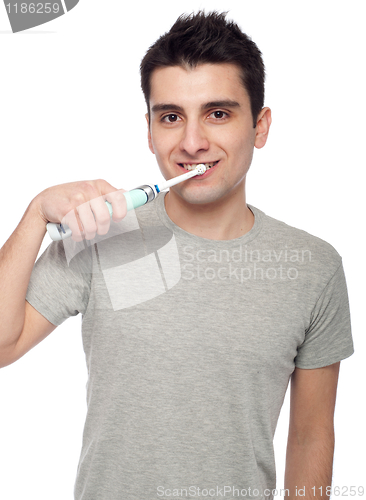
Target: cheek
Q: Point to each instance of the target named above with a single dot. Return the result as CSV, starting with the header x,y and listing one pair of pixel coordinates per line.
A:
x,y
235,146
239,149
159,151
233,138
165,145
162,150
243,147
160,143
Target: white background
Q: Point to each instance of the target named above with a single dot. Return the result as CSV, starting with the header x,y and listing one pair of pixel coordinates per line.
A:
x,y
71,108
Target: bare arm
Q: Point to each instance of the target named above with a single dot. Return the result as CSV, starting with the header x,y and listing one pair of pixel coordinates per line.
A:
x,y
17,258
310,447
21,326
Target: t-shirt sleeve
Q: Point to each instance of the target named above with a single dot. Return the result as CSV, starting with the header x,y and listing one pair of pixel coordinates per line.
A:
x,y
57,290
328,339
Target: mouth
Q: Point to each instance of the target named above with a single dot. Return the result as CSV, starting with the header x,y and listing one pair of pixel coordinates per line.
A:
x,y
192,166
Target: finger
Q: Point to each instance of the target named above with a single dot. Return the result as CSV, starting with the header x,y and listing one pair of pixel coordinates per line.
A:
x,y
119,204
72,220
101,215
87,220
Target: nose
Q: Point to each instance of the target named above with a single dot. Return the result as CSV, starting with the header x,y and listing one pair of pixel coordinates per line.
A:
x,y
194,138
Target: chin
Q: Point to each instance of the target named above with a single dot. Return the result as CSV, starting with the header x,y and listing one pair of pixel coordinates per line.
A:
x,y
200,196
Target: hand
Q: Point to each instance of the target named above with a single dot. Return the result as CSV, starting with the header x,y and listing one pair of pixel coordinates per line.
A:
x,y
81,206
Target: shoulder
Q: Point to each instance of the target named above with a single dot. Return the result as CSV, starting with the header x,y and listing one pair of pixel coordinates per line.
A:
x,y
310,252
279,232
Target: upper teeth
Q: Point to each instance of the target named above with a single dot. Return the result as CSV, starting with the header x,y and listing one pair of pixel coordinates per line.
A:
x,y
189,166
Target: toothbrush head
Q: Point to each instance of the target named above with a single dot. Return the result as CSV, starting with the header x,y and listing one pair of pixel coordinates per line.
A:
x,y
201,168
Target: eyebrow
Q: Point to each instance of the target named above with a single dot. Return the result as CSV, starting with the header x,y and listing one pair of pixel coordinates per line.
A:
x,y
227,103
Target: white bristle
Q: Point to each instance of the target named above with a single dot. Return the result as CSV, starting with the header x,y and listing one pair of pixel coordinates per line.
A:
x,y
201,168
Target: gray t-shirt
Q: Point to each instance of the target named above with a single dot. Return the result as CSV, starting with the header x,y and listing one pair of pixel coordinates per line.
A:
x,y
189,345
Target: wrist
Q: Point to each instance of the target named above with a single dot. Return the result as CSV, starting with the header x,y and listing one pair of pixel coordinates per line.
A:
x,y
35,216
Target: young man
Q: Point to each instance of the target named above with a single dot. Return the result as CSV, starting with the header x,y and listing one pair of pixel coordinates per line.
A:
x,y
185,387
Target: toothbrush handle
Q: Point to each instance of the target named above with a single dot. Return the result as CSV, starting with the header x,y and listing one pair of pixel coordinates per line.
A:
x,y
134,198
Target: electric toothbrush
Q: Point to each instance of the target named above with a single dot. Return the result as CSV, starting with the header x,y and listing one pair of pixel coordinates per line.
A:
x,y
134,198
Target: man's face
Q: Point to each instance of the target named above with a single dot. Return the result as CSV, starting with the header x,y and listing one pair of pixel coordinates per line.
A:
x,y
203,115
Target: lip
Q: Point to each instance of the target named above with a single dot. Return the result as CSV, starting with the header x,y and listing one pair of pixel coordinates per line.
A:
x,y
206,174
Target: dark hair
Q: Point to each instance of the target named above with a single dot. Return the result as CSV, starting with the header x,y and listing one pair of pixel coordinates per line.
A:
x,y
207,38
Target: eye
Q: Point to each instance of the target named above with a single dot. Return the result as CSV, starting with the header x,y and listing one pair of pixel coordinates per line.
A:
x,y
219,115
171,118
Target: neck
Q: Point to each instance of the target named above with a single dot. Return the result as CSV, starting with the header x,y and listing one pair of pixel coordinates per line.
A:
x,y
224,219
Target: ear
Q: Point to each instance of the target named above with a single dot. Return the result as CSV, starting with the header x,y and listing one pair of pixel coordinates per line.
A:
x,y
149,134
264,121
